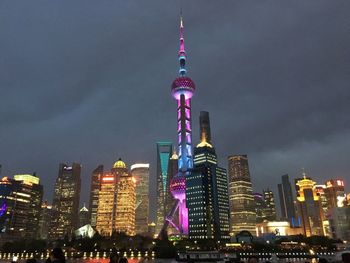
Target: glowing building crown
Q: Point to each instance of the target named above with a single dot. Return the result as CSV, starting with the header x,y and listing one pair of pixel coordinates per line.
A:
x,y
119,164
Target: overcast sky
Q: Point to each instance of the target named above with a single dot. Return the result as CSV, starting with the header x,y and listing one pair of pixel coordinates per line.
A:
x,y
89,81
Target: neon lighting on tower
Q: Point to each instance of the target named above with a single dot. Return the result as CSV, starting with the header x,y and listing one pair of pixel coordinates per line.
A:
x,y
182,90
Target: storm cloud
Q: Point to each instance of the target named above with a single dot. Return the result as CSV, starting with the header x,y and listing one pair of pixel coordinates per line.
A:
x,y
89,82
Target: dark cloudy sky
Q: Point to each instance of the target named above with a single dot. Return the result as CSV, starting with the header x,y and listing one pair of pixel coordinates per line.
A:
x,y
89,81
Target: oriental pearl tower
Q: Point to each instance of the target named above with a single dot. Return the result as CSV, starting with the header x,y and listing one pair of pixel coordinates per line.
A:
x,y
182,90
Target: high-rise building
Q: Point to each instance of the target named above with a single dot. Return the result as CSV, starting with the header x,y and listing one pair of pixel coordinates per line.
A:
x,y
164,150
140,172
107,202
270,208
340,222
66,201
126,199
320,191
45,220
94,191
206,191
335,193
242,207
287,201
260,207
20,206
309,206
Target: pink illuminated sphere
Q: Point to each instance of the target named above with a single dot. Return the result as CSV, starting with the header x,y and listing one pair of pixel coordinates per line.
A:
x,y
178,187
183,85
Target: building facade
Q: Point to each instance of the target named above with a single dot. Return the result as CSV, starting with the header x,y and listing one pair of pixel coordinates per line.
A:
x,y
270,208
126,199
20,207
66,201
335,193
107,202
94,192
309,207
140,172
260,207
242,207
45,220
164,151
288,210
206,191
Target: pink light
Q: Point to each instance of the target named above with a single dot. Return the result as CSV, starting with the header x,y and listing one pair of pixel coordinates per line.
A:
x,y
182,42
188,125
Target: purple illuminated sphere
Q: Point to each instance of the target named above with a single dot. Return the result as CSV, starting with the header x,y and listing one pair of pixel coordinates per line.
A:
x,y
183,85
178,187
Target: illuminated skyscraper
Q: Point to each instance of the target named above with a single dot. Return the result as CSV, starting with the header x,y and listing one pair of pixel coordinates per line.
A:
x,y
242,206
206,191
140,172
116,201
260,207
126,199
287,201
270,209
164,150
335,193
94,191
309,206
20,207
45,220
66,201
107,202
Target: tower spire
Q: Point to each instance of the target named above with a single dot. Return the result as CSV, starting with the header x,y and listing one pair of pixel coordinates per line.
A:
x,y
182,52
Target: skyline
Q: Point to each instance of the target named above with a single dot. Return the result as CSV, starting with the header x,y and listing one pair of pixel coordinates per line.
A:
x,y
63,130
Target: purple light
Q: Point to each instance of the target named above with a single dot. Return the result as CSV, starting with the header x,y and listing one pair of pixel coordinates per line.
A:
x,y
3,209
182,86
178,190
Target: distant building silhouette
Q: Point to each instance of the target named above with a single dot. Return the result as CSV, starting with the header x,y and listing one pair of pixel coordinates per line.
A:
x,y
270,209
66,201
94,191
260,207
46,217
20,207
242,206
286,198
140,172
